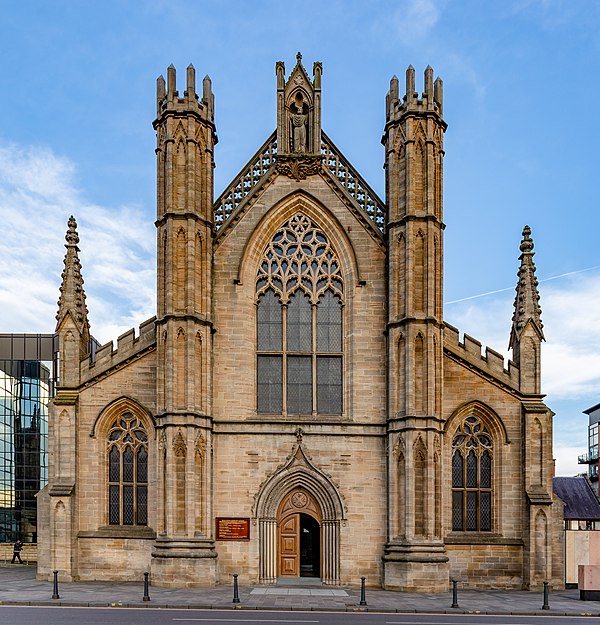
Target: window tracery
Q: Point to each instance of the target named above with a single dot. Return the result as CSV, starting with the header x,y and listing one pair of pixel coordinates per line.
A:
x,y
299,290
127,471
472,457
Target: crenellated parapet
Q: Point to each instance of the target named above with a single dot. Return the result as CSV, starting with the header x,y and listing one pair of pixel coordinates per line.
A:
x,y
129,347
488,362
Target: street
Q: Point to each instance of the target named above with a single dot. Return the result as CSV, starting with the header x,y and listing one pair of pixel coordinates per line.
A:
x,y
11,615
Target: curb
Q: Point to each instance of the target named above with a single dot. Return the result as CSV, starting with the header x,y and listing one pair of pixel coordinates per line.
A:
x,y
349,608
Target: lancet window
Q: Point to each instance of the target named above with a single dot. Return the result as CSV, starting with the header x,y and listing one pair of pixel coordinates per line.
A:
x,y
299,323
127,471
472,458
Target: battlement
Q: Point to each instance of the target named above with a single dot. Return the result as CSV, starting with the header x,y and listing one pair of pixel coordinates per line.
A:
x,y
168,100
128,345
490,362
431,99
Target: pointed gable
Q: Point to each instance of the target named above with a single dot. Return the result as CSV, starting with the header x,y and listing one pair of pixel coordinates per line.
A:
x,y
298,109
299,149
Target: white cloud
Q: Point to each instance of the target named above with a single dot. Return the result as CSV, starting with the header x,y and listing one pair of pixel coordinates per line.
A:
x,y
550,14
566,461
37,195
413,20
570,355
571,316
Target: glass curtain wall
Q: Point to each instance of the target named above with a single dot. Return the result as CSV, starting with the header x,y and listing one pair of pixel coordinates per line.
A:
x,y
28,368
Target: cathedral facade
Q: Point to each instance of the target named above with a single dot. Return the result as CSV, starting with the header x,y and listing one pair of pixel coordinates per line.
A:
x,y
298,408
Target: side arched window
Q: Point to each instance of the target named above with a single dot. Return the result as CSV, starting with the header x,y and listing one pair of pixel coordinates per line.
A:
x,y
299,348
472,457
127,471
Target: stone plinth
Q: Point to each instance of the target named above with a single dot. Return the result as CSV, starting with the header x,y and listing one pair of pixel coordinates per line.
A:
x,y
184,563
422,568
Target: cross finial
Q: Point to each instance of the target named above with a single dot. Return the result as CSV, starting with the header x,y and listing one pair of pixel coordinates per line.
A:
x,y
299,434
298,57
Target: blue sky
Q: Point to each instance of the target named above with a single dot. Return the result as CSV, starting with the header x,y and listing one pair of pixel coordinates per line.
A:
x,y
521,92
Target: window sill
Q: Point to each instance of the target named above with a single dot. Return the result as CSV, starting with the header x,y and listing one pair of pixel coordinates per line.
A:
x,y
480,538
120,531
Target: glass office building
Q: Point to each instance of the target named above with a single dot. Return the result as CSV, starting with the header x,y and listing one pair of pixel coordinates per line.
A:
x,y
591,458
28,371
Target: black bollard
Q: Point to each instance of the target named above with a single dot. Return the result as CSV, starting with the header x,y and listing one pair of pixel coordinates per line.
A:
x,y
363,600
236,596
146,596
55,594
545,606
454,593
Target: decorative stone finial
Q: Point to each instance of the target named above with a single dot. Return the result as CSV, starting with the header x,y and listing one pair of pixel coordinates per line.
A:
x,y
527,242
299,57
72,238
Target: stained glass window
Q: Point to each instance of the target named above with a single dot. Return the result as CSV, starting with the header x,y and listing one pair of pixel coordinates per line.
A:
x,y
299,291
472,455
127,472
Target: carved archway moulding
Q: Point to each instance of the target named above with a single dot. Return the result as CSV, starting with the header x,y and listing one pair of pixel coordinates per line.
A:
x,y
484,412
298,475
298,202
119,406
298,472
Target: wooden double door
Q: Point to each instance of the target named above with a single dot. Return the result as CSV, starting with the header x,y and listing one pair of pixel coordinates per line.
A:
x,y
299,535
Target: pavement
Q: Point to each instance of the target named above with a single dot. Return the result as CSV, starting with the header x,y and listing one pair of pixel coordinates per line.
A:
x,y
18,586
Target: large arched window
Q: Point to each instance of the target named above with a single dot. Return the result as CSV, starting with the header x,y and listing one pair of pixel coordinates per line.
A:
x,y
127,471
299,323
472,455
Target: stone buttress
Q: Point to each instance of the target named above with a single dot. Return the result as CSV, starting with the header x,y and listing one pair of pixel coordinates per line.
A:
x,y
543,555
57,522
184,551
414,557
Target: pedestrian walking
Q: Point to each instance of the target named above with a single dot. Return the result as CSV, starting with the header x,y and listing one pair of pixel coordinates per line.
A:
x,y
18,546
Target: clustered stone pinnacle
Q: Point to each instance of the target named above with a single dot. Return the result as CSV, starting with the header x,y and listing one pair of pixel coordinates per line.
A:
x,y
527,308
72,295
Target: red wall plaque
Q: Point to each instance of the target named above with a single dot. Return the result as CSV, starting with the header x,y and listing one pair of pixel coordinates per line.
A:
x,y
232,529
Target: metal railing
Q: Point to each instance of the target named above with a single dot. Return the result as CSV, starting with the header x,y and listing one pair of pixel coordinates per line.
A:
x,y
591,456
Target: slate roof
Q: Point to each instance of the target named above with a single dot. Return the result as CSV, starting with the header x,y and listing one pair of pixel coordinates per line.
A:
x,y
581,503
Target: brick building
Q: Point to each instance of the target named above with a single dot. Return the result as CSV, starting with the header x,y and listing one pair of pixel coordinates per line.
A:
x,y
298,407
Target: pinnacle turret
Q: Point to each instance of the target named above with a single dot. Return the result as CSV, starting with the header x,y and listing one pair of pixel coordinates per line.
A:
x,y
72,295
430,101
168,99
527,308
298,112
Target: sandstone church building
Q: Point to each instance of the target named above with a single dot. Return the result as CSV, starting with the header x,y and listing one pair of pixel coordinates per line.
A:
x,y
298,408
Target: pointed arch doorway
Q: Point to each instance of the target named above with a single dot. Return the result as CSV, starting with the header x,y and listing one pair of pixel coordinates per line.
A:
x,y
299,535
323,510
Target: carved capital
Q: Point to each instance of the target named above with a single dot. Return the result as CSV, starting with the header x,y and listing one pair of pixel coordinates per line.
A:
x,y
298,167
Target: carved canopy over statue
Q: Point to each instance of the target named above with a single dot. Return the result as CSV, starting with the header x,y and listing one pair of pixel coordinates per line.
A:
x,y
298,111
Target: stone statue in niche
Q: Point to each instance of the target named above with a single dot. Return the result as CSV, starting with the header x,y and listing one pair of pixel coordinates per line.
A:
x,y
298,119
